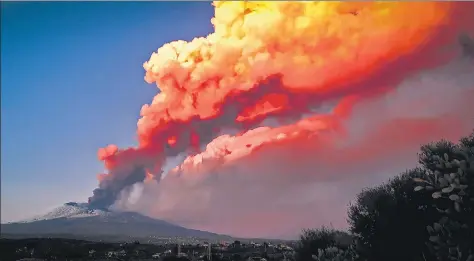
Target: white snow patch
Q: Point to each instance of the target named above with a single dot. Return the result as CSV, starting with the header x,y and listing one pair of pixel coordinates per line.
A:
x,y
69,210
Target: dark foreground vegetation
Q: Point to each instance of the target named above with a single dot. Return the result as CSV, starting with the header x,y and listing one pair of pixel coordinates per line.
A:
x,y
424,214
71,249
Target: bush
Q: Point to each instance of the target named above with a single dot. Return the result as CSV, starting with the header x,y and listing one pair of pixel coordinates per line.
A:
x,y
312,241
450,180
426,213
389,223
335,254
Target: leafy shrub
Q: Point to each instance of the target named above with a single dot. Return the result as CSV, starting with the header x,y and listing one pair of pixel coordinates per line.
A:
x,y
425,214
335,254
389,223
450,180
312,241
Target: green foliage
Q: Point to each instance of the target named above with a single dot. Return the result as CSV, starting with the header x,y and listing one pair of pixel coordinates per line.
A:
x,y
336,254
318,238
450,180
389,220
426,213
313,241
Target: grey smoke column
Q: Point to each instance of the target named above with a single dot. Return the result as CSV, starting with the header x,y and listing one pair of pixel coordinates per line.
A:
x,y
108,191
120,176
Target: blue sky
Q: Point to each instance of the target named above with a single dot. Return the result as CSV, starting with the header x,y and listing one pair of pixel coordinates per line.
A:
x,y
72,81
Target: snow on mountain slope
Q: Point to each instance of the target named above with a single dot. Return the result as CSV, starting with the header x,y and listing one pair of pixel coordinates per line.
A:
x,y
73,210
79,219
69,210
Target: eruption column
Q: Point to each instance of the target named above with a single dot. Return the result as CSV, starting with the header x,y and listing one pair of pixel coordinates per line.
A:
x,y
269,60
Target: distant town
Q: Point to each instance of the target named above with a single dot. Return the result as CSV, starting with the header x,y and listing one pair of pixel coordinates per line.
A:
x,y
188,249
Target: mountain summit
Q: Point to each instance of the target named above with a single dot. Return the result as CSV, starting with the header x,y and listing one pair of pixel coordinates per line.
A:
x,y
80,220
70,210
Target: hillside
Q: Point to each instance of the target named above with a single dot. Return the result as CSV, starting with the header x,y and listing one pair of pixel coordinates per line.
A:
x,y
77,219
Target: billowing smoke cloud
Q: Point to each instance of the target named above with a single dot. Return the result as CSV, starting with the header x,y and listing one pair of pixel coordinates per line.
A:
x,y
294,181
364,57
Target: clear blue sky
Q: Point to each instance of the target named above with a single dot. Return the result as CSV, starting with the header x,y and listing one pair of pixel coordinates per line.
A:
x,y
72,81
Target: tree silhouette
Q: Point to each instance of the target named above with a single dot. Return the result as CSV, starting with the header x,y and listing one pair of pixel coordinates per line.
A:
x,y
390,221
313,240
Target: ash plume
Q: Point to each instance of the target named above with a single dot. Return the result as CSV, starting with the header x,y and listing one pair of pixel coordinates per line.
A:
x,y
305,55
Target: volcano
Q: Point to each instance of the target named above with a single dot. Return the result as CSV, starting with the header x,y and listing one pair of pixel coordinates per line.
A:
x,y
80,220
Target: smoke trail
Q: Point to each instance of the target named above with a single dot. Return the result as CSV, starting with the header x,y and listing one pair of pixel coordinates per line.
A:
x,y
305,55
288,180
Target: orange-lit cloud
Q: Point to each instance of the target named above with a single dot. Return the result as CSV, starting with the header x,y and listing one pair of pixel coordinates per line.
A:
x,y
248,72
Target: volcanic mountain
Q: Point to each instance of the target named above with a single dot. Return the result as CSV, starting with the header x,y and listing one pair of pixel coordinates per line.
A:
x,y
79,219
